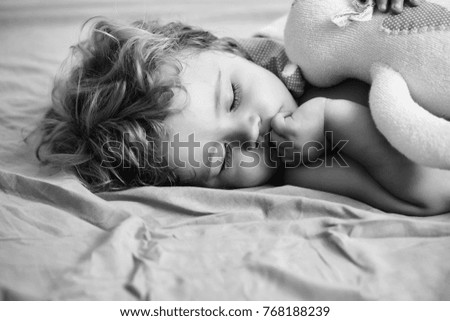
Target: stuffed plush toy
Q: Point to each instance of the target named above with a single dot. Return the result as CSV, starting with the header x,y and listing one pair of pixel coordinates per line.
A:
x,y
405,57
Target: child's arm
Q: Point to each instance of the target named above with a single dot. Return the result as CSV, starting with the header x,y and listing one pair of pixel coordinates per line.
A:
x,y
352,181
425,189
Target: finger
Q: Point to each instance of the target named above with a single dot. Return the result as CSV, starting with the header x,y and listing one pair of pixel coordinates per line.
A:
x,y
278,124
414,3
285,152
397,6
382,5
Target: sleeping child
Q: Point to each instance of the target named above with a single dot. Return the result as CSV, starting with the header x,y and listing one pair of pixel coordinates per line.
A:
x,y
151,104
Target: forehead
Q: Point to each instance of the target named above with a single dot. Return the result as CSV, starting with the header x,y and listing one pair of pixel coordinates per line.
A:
x,y
199,73
199,67
193,106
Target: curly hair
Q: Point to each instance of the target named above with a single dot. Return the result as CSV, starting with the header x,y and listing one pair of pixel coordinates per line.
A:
x,y
110,100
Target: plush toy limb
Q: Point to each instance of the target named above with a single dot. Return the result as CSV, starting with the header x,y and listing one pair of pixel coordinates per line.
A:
x,y
415,132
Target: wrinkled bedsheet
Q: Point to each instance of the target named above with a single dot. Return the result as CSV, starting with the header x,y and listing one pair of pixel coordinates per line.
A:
x,y
59,241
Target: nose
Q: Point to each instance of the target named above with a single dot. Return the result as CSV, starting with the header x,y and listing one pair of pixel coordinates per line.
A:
x,y
245,129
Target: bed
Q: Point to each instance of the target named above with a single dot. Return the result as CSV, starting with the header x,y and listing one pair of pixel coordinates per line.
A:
x,y
58,241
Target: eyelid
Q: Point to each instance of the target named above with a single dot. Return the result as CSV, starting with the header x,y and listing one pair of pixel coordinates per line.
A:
x,y
228,157
236,96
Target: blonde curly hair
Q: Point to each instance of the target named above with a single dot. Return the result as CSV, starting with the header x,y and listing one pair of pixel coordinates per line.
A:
x,y
110,100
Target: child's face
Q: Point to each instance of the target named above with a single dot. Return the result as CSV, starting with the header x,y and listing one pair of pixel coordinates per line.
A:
x,y
228,99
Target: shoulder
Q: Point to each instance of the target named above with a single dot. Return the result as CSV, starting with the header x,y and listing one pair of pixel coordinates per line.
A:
x,y
351,89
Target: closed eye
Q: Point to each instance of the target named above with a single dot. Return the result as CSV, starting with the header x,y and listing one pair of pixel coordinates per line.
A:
x,y
228,159
237,93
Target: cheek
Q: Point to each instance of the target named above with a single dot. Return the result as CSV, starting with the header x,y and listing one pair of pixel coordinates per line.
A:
x,y
273,96
255,176
251,168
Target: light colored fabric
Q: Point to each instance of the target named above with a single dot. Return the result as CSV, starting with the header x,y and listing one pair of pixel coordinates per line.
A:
x,y
428,17
270,54
59,241
360,11
413,130
416,44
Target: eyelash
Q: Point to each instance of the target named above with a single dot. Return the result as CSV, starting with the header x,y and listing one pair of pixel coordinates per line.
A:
x,y
227,161
236,96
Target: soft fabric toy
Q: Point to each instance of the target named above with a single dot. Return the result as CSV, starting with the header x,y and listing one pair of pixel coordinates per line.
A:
x,y
405,57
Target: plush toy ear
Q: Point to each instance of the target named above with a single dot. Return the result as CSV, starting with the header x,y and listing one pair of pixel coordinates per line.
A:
x,y
414,131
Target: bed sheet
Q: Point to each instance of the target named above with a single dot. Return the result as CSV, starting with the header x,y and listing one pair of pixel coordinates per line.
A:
x,y
59,241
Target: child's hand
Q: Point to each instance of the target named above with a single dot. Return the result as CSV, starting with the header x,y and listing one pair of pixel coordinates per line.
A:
x,y
395,5
299,131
